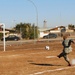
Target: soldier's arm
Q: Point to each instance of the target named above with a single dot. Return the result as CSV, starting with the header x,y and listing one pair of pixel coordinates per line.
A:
x,y
73,41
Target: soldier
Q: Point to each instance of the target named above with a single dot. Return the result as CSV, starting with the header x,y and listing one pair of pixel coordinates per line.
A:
x,y
66,48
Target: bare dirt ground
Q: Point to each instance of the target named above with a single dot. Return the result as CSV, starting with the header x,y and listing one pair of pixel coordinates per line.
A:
x,y
33,59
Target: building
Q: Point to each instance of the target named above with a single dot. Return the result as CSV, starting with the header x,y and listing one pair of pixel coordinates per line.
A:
x,y
57,30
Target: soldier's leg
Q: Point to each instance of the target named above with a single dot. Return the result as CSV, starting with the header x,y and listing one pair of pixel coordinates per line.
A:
x,y
61,55
67,59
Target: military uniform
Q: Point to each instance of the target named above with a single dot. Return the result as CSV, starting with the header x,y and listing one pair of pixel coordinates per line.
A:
x,y
66,49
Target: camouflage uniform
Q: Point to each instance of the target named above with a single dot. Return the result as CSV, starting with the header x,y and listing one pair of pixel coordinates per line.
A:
x,y
66,49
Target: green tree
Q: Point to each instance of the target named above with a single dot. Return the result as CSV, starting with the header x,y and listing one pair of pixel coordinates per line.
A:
x,y
26,30
70,26
33,33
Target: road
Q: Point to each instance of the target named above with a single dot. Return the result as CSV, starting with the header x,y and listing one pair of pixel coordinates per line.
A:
x,y
33,41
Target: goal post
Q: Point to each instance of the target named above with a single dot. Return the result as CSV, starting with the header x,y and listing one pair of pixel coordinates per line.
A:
x,y
2,24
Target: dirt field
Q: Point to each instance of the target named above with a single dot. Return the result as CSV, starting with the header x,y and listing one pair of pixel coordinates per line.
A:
x,y
33,59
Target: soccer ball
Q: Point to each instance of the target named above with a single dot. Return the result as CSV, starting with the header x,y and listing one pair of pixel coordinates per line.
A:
x,y
73,62
47,47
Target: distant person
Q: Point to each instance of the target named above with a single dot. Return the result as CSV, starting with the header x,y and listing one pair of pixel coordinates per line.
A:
x,y
66,48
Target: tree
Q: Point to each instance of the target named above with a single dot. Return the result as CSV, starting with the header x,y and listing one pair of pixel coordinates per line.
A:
x,y
33,33
27,30
70,26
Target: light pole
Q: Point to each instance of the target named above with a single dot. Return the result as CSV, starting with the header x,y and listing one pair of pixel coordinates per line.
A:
x,y
36,15
14,23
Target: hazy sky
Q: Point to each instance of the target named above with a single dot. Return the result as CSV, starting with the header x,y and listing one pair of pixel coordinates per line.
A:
x,y
55,12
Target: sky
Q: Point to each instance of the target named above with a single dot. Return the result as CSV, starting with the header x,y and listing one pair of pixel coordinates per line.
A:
x,y
54,12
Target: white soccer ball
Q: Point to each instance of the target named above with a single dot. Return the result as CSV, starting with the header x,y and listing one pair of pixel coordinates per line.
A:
x,y
73,62
47,47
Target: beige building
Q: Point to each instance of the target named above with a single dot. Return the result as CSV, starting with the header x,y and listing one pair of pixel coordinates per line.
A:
x,y
57,30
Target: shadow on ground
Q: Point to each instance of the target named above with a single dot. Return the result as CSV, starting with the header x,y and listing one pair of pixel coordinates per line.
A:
x,y
43,64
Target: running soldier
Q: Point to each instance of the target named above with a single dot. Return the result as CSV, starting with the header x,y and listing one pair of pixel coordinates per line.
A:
x,y
66,48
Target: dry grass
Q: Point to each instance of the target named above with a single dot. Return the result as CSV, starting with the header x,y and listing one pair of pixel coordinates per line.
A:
x,y
29,59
